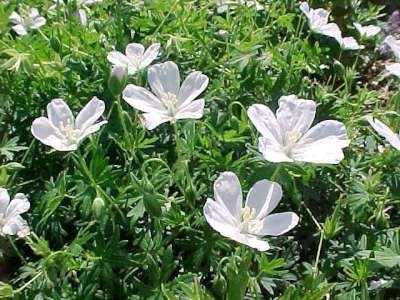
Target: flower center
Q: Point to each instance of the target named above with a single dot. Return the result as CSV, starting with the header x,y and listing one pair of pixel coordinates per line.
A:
x,y
71,134
169,101
136,60
291,139
249,223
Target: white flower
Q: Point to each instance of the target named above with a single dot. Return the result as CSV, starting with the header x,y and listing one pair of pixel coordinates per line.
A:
x,y
288,137
349,43
23,24
375,284
223,5
367,31
318,21
11,222
88,2
136,57
393,44
384,131
393,69
61,131
247,224
170,101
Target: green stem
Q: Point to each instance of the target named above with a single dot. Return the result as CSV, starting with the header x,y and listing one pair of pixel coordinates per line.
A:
x,y
16,249
28,283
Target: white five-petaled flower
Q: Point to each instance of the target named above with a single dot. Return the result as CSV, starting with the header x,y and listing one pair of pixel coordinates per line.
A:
x,y
11,222
318,21
170,101
384,131
288,136
247,224
61,130
135,57
367,31
23,24
223,5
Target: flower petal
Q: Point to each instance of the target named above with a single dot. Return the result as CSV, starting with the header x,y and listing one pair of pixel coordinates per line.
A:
x,y
33,13
134,50
219,217
43,130
228,192
305,8
89,114
277,224
367,31
15,18
14,225
19,29
118,59
91,129
59,113
272,151
350,43
17,206
149,55
384,131
193,110
295,114
265,122
152,120
264,196
319,17
82,16
4,200
323,143
393,69
142,99
38,22
393,44
192,86
164,78
330,29
250,241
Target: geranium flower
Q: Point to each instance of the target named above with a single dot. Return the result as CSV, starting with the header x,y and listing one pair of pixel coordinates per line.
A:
x,y
23,24
247,224
136,57
288,137
61,131
367,31
11,222
223,5
318,21
384,131
169,102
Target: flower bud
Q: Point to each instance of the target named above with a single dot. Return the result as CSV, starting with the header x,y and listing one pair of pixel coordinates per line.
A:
x,y
117,80
98,208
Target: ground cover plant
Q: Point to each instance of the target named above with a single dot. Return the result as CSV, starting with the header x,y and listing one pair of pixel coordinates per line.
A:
x,y
199,149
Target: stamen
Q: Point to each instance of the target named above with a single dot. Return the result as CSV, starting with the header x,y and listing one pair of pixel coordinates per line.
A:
x,y
249,223
69,132
291,139
169,101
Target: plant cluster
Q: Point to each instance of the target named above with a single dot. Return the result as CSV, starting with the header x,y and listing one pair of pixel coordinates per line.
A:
x,y
137,193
